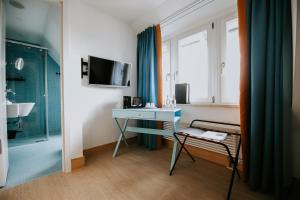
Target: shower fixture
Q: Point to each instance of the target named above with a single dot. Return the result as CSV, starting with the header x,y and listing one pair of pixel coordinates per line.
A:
x,y
19,64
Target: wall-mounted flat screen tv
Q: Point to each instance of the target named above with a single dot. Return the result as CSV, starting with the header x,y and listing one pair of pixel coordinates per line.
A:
x,y
108,72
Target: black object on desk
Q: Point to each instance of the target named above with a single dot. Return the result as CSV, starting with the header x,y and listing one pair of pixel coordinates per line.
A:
x,y
126,102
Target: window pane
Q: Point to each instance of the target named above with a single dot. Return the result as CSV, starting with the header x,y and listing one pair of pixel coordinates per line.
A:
x,y
166,70
230,79
193,65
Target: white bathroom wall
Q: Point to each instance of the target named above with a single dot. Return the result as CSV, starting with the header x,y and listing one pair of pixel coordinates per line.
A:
x,y
52,31
87,109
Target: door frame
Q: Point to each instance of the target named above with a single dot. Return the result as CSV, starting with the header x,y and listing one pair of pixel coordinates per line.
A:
x,y
65,137
3,119
66,152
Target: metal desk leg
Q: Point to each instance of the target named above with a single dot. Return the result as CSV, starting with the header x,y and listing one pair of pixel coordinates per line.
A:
x,y
175,145
123,130
174,153
121,137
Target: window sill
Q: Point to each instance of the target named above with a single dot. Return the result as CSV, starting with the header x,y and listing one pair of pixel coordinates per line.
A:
x,y
222,105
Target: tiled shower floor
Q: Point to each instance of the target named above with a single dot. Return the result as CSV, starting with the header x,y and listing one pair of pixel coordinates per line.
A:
x,y
30,161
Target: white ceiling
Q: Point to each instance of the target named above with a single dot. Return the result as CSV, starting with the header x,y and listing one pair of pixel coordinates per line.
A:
x,y
26,24
31,23
143,13
126,10
204,10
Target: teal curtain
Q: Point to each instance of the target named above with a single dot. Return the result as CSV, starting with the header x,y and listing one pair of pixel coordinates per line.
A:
x,y
147,79
270,47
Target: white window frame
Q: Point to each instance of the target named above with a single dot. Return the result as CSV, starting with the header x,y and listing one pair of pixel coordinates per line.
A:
x,y
223,52
168,44
206,27
216,29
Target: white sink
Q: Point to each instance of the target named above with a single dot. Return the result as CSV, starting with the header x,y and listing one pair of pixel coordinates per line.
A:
x,y
18,109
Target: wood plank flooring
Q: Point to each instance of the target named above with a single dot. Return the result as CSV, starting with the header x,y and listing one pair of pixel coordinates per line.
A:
x,y
136,174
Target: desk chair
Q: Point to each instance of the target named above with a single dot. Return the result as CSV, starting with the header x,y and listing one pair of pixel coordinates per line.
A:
x,y
211,135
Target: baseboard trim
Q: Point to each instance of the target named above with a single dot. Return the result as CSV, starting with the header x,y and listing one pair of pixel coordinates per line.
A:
x,y
211,156
217,158
77,163
107,147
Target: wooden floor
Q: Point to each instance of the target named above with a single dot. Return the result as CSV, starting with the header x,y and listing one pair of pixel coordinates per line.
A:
x,y
136,174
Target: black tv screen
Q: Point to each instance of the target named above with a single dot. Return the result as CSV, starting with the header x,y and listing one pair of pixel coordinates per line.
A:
x,y
108,72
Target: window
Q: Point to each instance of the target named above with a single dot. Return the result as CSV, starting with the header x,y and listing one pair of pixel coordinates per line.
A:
x,y
166,70
230,67
208,59
193,66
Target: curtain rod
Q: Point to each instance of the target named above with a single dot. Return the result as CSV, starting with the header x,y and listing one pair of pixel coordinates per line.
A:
x,y
190,8
26,44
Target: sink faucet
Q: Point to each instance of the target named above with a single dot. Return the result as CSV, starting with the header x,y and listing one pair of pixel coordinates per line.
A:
x,y
8,90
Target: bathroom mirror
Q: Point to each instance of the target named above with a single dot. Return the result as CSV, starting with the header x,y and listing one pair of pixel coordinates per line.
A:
x,y
19,64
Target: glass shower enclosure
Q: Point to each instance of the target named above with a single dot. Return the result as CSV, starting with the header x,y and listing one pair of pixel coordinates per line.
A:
x,y
26,78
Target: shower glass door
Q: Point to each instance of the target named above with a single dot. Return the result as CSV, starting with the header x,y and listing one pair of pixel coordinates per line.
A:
x,y
27,84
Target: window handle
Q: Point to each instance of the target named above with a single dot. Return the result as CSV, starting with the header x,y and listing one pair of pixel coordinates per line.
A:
x,y
167,76
175,75
222,67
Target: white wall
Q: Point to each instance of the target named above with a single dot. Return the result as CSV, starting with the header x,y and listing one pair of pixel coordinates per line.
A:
x,y
87,109
229,114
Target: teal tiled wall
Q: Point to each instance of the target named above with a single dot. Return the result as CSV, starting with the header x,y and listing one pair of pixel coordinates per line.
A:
x,y
29,86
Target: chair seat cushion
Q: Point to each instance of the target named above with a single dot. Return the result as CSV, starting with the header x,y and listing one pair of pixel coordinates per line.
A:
x,y
201,134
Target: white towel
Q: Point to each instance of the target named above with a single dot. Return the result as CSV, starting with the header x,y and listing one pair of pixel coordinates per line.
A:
x,y
212,135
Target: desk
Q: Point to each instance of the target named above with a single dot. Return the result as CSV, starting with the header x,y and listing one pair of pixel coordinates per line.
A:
x,y
158,114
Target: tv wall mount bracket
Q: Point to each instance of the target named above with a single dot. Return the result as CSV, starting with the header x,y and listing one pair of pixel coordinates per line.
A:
x,y
84,68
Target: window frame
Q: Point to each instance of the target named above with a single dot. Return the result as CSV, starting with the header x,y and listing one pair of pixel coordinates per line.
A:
x,y
216,29
205,27
223,53
168,44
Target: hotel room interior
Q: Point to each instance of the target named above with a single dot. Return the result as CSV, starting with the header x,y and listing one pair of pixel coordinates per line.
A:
x,y
149,99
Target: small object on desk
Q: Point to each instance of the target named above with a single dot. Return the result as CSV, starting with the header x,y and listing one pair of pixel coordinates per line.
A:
x,y
173,102
150,105
168,102
137,102
126,102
